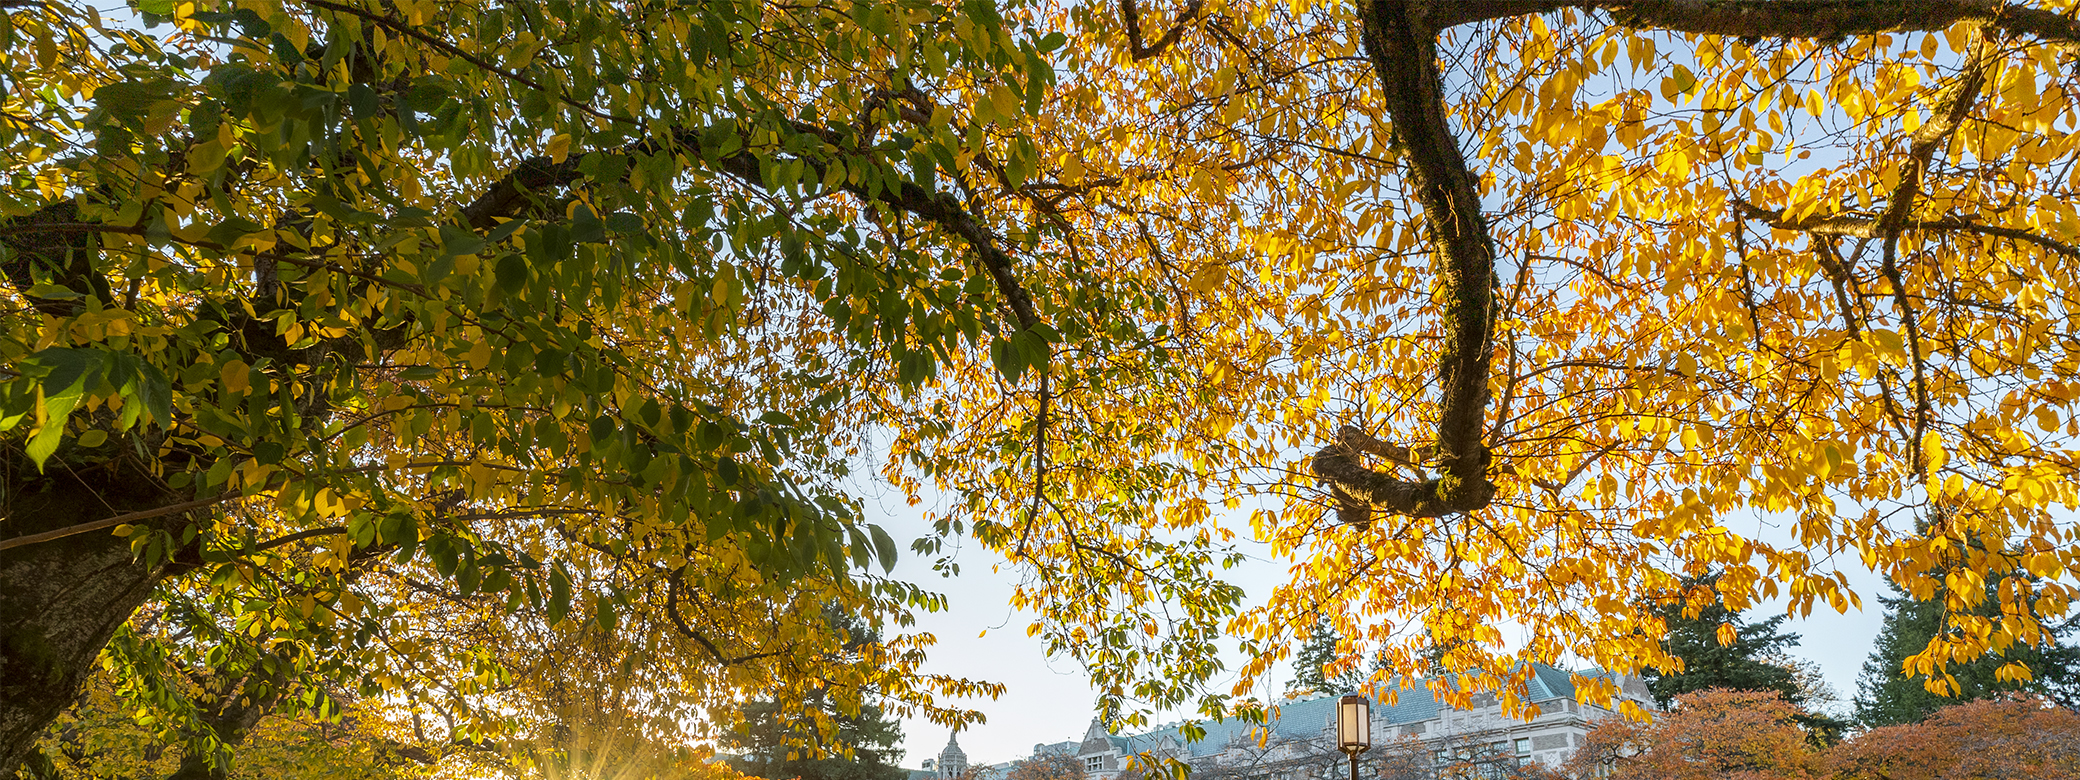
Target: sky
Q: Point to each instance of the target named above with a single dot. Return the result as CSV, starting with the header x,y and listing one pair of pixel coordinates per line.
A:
x,y
1050,699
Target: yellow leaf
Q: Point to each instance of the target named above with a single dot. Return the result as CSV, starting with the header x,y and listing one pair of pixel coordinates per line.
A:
x,y
236,376
1933,456
559,147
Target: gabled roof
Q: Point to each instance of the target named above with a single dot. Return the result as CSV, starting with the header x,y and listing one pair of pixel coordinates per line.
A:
x,y
1305,719
1311,718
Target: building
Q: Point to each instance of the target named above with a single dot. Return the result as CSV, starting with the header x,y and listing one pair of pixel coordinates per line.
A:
x,y
1415,737
951,763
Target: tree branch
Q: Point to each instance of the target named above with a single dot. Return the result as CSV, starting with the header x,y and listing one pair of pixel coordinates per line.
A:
x,y
111,522
505,197
53,241
1780,19
1853,226
1943,122
679,622
1402,45
942,209
1131,17
403,28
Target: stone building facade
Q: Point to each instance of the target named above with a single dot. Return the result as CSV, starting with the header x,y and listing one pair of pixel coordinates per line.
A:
x,y
1415,737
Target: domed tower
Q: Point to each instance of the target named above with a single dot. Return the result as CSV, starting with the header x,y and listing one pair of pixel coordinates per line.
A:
x,y
953,761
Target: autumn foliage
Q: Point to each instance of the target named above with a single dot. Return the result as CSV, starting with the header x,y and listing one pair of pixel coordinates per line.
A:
x,y
1713,734
2018,737
1752,735
375,334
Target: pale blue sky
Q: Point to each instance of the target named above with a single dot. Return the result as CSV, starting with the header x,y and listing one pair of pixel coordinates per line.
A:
x,y
1050,700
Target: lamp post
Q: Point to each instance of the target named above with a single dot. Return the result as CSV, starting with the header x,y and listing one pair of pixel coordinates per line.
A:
x,y
1354,728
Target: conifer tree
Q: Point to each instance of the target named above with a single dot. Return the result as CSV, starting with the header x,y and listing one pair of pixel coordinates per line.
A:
x,y
776,742
1316,653
1744,665
1886,697
1758,659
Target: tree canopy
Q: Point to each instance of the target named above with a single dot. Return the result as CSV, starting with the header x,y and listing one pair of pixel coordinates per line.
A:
x,y
378,342
1499,319
1711,733
778,742
374,331
1721,649
1889,695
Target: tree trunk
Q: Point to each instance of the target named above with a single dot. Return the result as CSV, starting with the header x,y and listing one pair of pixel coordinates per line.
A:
x,y
62,600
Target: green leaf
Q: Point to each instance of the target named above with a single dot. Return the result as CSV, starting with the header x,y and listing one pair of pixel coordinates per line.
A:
x,y
362,100
457,240
1006,358
559,595
586,227
505,231
884,548
232,229
511,273
156,392
134,97
67,374
624,223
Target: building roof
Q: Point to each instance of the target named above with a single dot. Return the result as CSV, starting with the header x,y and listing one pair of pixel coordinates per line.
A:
x,y
1311,718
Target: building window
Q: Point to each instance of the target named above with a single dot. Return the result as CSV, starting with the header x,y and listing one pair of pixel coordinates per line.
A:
x,y
1093,763
1524,746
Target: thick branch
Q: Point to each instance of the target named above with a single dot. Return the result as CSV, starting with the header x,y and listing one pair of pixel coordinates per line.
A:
x,y
1949,114
508,195
1853,226
52,243
111,522
1130,15
1403,50
1359,489
942,209
1781,19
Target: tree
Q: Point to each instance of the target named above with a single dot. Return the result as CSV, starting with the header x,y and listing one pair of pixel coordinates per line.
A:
x,y
318,310
864,747
2010,737
1720,649
1517,313
1715,733
100,738
1315,657
1889,694
853,740
1046,766
1485,326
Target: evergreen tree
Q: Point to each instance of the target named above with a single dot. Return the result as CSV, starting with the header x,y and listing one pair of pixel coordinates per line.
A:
x,y
1885,697
1316,652
1758,659
1748,664
776,744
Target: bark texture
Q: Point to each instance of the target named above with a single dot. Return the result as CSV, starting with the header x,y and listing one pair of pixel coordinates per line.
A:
x,y
61,601
1400,37
1784,18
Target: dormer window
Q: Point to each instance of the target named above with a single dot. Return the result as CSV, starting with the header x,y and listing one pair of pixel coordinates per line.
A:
x,y
1093,763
